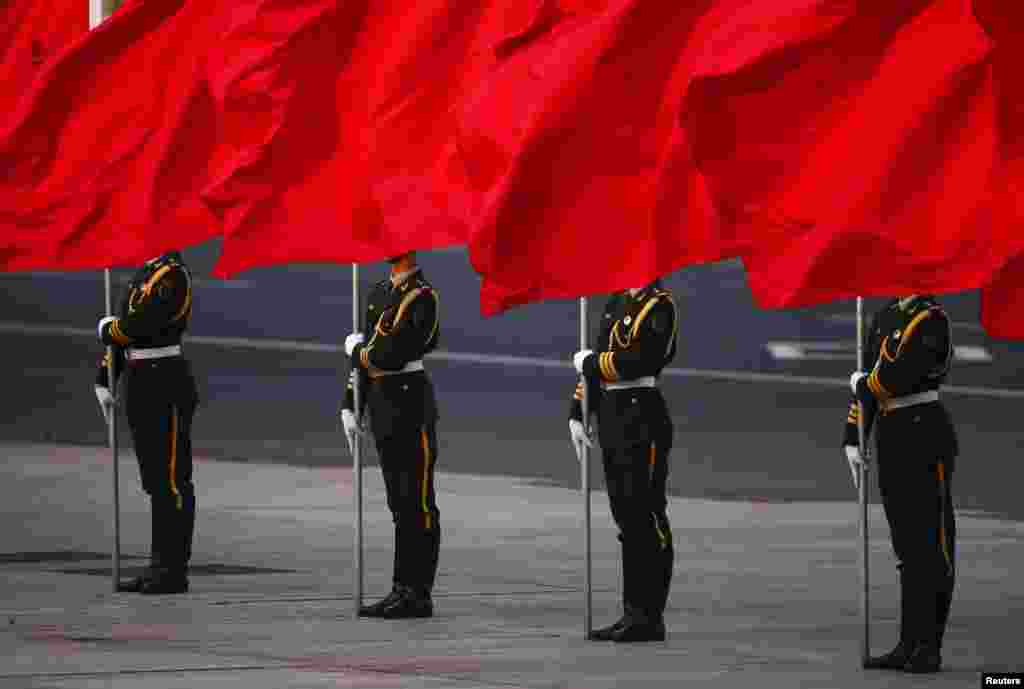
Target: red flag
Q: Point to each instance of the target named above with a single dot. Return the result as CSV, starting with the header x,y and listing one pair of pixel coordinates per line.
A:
x,y
344,167
1002,300
103,163
863,162
33,32
580,152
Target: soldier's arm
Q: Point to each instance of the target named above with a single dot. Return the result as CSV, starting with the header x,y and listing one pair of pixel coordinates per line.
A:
x,y
594,393
851,436
103,373
406,340
590,374
350,402
657,332
902,364
167,297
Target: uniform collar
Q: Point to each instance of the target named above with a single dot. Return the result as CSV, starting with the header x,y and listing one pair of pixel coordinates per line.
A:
x,y
906,303
164,258
398,279
639,293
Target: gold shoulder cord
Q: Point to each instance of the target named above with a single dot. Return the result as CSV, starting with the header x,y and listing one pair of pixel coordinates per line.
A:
x,y
407,300
910,328
651,303
187,304
155,278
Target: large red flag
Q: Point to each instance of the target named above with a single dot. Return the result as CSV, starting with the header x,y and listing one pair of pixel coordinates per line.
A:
x,y
1002,300
865,162
103,162
33,32
580,153
355,117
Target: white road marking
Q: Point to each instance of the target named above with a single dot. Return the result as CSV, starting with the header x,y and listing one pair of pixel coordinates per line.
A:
x,y
120,279
274,345
852,320
835,351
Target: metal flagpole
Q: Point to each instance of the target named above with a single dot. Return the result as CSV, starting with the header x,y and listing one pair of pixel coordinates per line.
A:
x,y
862,497
357,452
585,481
115,568
95,18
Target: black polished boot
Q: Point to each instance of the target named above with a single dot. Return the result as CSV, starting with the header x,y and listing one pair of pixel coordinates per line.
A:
x,y
897,657
174,532
893,660
136,584
638,626
407,603
165,581
925,659
375,609
607,633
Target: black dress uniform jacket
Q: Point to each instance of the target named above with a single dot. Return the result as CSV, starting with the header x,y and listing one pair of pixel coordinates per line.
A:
x,y
403,324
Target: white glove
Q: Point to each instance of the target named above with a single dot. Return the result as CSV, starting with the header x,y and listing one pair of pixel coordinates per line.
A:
x,y
351,341
103,322
578,357
855,461
106,401
352,429
854,379
578,436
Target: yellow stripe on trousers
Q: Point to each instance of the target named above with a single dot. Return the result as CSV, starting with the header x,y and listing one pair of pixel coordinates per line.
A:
x,y
425,485
173,467
661,534
941,469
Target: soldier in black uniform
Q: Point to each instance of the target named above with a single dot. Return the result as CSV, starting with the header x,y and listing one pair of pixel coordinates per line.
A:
x,y
403,313
637,339
161,400
909,345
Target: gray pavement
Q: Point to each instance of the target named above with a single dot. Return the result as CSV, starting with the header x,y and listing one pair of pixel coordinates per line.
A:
x,y
764,593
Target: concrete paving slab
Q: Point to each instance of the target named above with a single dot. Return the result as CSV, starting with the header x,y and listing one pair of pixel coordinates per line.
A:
x,y
765,594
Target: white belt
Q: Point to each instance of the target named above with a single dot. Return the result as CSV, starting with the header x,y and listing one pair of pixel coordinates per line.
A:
x,y
645,382
153,352
408,368
911,400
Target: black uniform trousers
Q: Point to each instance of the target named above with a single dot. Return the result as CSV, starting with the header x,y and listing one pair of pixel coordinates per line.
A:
x,y
404,425
635,432
161,401
914,474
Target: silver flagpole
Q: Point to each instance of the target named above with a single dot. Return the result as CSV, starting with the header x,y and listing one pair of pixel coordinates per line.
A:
x,y
112,441
862,496
357,452
585,482
95,18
